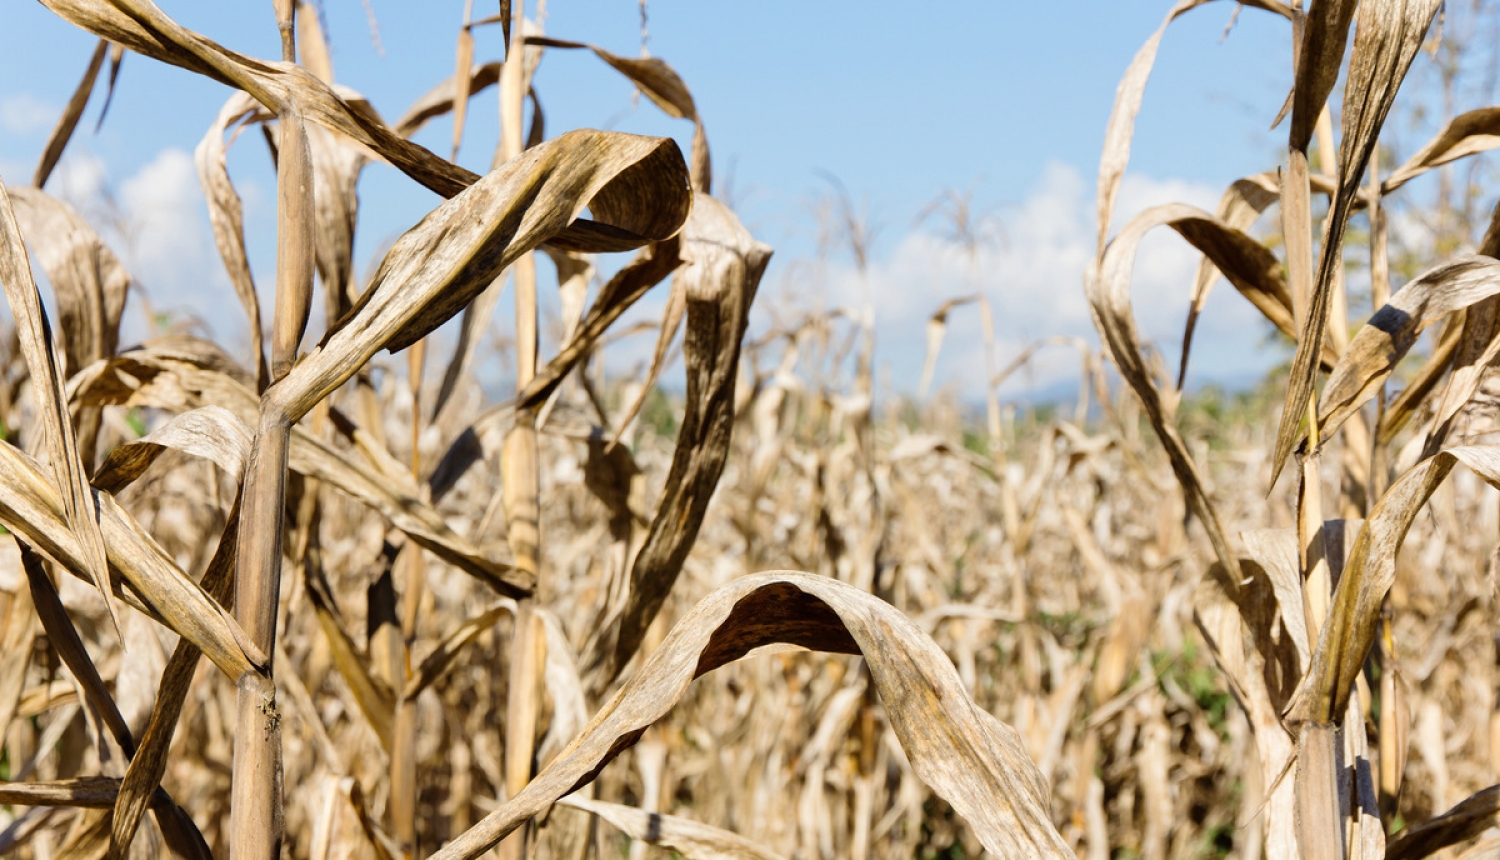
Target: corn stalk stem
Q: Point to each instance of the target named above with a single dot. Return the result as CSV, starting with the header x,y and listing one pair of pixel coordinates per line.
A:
x,y
255,806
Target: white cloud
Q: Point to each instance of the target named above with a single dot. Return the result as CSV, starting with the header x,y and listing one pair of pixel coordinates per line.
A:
x,y
1032,276
25,114
156,221
171,246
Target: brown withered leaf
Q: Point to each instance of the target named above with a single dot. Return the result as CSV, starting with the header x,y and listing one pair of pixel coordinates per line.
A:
x,y
682,836
1386,39
1381,343
665,88
1467,134
972,760
724,264
63,131
211,432
88,280
226,216
635,183
1474,815
1247,264
1128,96
69,470
155,376
31,508
142,27
177,827
1349,632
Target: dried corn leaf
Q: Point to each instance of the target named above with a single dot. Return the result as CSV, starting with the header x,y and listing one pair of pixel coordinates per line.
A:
x,y
436,268
1247,264
666,89
1325,34
1385,42
937,327
651,266
1381,344
18,636
87,792
444,97
1128,96
1467,134
88,280
159,378
666,332
1473,816
377,702
66,123
149,764
226,216
1242,203
1405,405
31,508
1478,346
212,433
1233,614
724,264
1349,632
69,471
434,665
975,762
141,26
177,827
682,836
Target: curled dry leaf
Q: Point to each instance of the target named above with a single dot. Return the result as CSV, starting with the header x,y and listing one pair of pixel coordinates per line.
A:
x,y
1128,96
181,833
226,216
937,327
635,183
88,280
211,432
1386,40
1476,814
972,760
724,264
89,284
1349,632
1246,263
651,266
161,378
683,836
31,508
1381,343
1466,134
70,472
149,764
63,131
142,27
665,88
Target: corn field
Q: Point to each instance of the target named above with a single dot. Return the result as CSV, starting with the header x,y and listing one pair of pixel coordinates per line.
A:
x,y
323,598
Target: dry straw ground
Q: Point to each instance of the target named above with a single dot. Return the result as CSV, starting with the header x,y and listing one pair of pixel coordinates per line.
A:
x,y
594,619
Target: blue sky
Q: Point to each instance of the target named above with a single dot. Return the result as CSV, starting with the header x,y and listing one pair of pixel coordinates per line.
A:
x,y
1004,100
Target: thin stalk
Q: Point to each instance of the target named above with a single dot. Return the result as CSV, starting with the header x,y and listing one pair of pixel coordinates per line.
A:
x,y
256,824
521,488
255,799
403,807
